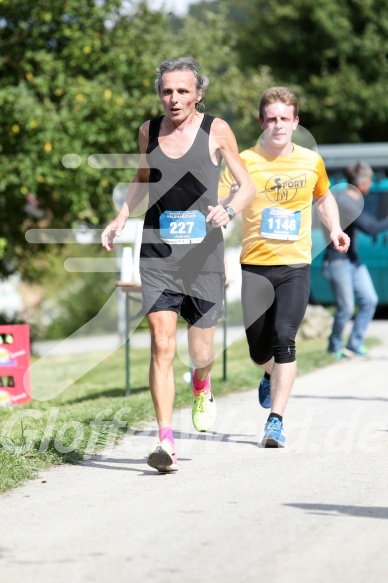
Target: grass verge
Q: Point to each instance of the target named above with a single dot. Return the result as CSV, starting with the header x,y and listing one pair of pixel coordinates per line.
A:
x,y
93,412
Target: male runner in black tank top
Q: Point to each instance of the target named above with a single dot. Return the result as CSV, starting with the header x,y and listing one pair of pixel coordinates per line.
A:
x,y
181,264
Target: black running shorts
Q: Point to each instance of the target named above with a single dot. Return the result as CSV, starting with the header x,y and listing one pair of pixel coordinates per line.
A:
x,y
198,297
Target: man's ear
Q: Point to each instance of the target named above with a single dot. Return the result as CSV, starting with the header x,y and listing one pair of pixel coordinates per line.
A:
x,y
261,123
296,121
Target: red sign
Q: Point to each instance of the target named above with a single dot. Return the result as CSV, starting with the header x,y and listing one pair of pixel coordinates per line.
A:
x,y
15,384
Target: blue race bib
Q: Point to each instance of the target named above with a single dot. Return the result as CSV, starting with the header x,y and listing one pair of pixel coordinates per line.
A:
x,y
182,227
280,224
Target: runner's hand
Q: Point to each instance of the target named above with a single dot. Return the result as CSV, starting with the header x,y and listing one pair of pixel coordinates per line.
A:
x,y
111,231
341,241
218,216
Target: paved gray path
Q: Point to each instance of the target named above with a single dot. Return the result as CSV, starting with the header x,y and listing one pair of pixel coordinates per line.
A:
x,y
314,512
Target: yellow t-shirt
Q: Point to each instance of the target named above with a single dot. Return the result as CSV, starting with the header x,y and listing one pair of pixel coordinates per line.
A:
x,y
277,223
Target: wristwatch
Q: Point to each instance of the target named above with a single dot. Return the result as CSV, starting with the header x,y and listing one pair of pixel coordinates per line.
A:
x,y
231,212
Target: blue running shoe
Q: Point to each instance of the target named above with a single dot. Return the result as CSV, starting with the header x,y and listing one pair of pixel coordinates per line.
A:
x,y
265,393
273,434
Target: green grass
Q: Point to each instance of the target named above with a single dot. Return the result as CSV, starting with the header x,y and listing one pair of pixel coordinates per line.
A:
x,y
94,412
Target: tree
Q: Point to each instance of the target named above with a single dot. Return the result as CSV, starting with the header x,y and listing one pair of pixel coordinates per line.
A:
x,y
334,52
233,93
76,80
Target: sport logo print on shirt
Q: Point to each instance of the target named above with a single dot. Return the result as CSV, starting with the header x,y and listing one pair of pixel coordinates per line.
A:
x,y
283,188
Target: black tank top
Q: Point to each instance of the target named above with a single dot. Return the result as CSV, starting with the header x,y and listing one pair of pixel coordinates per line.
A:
x,y
175,234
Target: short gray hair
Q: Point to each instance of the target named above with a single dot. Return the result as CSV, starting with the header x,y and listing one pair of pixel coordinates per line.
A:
x,y
182,64
358,173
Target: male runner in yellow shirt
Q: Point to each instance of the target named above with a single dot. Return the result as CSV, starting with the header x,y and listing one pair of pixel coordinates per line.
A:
x,y
276,248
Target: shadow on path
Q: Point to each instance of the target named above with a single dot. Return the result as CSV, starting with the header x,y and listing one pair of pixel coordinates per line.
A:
x,y
338,510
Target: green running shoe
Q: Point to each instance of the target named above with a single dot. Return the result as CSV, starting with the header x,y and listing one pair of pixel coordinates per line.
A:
x,y
338,354
360,351
204,411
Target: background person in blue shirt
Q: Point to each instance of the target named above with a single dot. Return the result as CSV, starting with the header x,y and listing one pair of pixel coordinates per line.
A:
x,y
349,278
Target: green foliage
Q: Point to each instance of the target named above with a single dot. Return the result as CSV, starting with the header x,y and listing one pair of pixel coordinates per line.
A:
x,y
233,94
333,52
76,79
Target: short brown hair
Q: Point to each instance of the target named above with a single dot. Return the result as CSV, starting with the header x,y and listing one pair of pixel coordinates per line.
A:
x,y
274,94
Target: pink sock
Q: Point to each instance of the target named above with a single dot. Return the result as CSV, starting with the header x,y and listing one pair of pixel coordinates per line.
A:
x,y
199,386
166,433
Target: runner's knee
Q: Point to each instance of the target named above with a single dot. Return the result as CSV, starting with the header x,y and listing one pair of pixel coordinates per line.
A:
x,y
284,346
163,346
260,355
201,356
284,354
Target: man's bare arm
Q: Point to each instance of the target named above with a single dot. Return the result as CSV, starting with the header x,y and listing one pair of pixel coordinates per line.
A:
x,y
328,213
137,191
226,142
